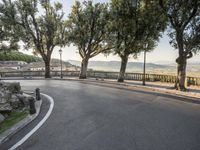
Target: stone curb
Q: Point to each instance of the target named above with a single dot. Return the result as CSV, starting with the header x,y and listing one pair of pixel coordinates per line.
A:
x,y
21,124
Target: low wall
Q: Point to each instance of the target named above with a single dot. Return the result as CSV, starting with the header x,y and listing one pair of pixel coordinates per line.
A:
x,y
106,75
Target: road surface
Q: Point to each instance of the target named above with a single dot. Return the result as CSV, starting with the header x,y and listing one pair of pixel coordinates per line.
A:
x,y
91,117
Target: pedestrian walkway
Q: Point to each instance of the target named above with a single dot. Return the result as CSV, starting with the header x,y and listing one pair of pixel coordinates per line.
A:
x,y
193,91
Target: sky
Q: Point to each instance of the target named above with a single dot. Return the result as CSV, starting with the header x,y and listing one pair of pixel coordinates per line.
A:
x,y
163,53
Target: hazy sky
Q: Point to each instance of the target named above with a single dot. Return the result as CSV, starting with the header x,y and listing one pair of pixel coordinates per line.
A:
x,y
163,52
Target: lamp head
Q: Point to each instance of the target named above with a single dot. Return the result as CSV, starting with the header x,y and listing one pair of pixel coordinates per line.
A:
x,y
60,51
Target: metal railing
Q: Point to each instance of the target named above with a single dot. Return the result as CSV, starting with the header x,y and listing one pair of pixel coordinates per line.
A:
x,y
106,75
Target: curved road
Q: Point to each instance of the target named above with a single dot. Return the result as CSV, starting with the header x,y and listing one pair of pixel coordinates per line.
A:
x,y
90,117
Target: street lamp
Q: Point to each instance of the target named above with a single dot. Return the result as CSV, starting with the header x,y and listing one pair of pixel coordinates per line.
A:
x,y
144,66
61,74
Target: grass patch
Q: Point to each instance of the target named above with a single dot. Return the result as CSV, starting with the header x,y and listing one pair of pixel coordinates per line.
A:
x,y
13,118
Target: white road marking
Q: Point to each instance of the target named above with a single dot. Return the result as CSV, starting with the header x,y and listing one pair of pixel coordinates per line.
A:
x,y
38,125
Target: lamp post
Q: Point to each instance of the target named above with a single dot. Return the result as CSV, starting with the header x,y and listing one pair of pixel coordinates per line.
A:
x,y
144,66
61,74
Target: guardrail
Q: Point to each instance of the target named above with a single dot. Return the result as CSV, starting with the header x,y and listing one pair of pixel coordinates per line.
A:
x,y
106,75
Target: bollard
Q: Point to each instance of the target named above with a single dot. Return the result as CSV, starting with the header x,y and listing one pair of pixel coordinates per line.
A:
x,y
32,105
37,92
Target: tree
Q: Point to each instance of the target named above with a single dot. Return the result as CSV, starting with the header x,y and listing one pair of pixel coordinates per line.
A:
x,y
184,18
42,31
135,27
87,29
9,33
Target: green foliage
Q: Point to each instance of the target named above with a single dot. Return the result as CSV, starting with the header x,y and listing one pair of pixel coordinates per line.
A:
x,y
192,34
135,27
9,33
17,56
40,30
87,28
184,17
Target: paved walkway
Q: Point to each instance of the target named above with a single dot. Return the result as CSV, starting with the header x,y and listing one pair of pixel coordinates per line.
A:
x,y
193,91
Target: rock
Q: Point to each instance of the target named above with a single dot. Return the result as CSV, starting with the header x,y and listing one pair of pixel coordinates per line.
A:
x,y
21,98
11,97
4,96
15,102
14,87
5,108
2,118
24,99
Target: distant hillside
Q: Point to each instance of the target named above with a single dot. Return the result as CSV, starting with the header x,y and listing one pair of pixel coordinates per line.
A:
x,y
67,64
193,69
115,65
18,56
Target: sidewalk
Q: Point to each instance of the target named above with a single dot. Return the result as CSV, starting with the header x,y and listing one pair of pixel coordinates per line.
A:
x,y
162,87
194,91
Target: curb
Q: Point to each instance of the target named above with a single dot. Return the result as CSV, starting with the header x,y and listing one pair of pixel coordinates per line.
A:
x,y
21,124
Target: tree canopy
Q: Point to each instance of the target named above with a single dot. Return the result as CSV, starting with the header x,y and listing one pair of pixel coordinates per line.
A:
x,y
133,29
87,29
41,30
9,31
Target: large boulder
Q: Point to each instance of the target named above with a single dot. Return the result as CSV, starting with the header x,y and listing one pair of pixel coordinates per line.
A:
x,y
11,97
7,98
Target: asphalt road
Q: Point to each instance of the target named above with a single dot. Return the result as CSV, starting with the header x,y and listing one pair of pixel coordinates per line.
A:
x,y
90,117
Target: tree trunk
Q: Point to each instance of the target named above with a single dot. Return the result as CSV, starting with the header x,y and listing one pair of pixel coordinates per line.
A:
x,y
181,63
84,65
181,76
47,68
124,61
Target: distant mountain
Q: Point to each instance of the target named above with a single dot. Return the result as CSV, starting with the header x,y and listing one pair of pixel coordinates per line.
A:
x,y
115,65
